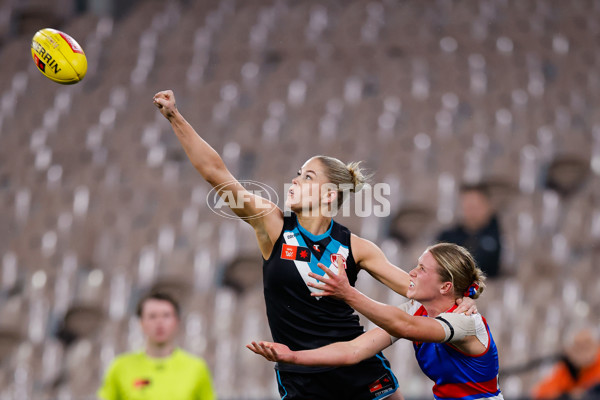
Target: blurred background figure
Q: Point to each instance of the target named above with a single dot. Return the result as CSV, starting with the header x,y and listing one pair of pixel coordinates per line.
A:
x,y
162,370
577,374
478,229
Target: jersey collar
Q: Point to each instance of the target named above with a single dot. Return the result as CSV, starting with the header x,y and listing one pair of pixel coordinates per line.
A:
x,y
314,238
451,309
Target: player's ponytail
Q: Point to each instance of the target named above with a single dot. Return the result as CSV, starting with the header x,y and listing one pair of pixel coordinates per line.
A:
x,y
476,287
357,174
347,177
458,266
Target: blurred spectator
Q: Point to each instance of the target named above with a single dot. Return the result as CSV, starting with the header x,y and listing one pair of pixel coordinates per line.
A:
x,y
162,371
577,374
478,230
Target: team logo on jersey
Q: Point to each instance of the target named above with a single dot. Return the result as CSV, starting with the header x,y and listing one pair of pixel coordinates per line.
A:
x,y
334,259
295,253
316,247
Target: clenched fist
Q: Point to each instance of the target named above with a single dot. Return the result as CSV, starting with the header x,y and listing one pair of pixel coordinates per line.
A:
x,y
165,101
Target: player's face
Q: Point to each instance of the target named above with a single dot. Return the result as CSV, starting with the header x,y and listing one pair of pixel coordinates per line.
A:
x,y
305,193
159,321
425,282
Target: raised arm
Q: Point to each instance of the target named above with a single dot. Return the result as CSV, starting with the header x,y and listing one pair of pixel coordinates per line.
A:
x,y
372,259
340,353
209,164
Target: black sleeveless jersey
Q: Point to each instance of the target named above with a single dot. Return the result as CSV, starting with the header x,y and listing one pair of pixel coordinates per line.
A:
x,y
296,319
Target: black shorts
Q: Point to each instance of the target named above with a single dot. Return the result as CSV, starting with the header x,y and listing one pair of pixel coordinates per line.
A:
x,y
370,379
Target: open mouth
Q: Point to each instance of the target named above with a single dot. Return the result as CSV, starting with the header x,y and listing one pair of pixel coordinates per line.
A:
x,y
411,284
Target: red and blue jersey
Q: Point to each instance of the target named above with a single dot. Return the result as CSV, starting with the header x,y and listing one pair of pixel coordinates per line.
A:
x,y
457,375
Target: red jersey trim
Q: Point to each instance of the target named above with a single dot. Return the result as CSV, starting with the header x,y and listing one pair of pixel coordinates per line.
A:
x,y
455,390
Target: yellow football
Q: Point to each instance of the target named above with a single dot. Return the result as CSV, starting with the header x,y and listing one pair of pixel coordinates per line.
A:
x,y
58,56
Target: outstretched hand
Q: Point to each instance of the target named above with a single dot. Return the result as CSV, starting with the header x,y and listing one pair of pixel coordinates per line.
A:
x,y
272,351
165,101
330,284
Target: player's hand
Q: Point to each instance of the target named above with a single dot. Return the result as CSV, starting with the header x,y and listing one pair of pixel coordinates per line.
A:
x,y
333,285
165,101
466,305
272,351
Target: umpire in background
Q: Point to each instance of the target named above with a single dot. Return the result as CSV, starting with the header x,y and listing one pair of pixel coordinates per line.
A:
x,y
162,370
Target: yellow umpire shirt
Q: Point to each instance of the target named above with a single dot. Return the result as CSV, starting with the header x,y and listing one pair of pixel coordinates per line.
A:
x,y
136,376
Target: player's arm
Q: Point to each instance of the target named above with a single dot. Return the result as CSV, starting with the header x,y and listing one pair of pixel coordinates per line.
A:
x,y
371,258
393,320
210,165
340,353
455,327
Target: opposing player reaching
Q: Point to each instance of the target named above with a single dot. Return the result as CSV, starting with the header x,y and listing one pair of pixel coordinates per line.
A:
x,y
291,246
456,351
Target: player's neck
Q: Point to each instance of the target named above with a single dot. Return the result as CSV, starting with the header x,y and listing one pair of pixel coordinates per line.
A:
x,y
317,225
154,350
437,306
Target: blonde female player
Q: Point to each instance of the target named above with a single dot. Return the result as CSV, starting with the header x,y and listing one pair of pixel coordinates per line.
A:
x,y
291,246
456,351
